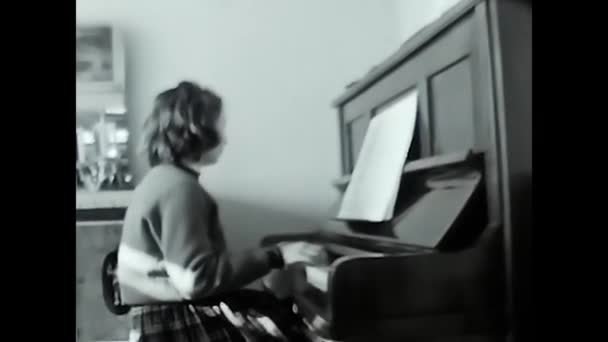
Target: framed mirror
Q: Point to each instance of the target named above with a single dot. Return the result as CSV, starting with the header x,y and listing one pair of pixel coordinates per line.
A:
x,y
102,135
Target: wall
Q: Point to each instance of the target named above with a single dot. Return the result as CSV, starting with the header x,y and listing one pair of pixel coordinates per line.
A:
x,y
415,14
278,64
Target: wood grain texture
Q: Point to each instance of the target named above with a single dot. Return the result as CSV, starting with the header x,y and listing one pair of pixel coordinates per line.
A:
x,y
94,322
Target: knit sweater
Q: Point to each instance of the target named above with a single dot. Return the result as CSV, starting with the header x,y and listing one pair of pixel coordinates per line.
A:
x,y
172,247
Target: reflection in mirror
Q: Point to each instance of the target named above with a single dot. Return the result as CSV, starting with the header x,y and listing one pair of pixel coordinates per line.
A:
x,y
102,161
102,135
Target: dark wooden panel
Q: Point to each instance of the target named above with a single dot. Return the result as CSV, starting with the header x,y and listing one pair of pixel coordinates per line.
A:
x,y
410,47
511,29
451,103
423,127
452,45
357,129
100,214
344,143
93,321
485,111
416,286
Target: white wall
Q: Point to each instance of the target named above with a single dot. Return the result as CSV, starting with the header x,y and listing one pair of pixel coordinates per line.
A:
x,y
278,65
415,14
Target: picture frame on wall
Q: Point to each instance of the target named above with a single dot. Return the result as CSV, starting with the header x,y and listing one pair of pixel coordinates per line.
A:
x,y
100,59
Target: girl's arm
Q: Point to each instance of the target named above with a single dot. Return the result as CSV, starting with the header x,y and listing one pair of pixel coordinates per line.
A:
x,y
196,267
157,288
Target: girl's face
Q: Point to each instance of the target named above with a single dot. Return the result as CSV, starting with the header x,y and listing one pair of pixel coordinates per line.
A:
x,y
212,156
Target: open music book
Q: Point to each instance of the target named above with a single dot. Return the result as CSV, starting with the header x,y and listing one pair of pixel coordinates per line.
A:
x,y
372,191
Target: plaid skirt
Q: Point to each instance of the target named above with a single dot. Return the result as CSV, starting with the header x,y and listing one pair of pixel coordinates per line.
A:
x,y
180,323
198,323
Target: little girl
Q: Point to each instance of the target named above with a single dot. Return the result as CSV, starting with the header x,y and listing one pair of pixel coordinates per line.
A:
x,y
172,251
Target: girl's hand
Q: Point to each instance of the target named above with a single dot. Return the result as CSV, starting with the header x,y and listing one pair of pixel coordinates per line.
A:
x,y
304,252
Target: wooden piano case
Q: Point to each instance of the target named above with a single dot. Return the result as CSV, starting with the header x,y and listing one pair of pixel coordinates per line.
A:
x,y
470,68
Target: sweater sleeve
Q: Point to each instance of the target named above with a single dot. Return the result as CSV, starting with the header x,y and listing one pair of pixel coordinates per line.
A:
x,y
195,267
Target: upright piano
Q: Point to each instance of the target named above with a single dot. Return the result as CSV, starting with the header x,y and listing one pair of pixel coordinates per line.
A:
x,y
451,264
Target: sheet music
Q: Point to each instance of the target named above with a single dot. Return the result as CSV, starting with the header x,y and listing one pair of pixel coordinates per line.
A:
x,y
372,191
317,277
